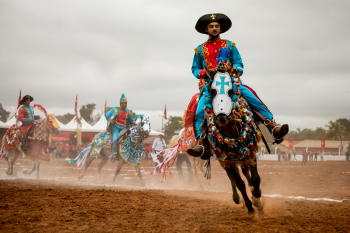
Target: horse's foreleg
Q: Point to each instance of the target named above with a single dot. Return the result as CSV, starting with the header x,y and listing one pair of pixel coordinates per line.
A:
x,y
37,170
119,167
236,198
138,170
11,161
87,164
256,184
100,166
241,186
28,172
194,170
246,173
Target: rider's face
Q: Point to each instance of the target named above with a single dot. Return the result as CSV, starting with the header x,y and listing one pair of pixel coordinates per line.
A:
x,y
27,102
123,105
213,29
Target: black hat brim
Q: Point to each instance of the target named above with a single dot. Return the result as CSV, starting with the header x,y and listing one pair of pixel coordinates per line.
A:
x,y
26,97
223,20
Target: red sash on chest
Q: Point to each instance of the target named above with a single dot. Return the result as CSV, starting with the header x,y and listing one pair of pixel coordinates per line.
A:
x,y
121,118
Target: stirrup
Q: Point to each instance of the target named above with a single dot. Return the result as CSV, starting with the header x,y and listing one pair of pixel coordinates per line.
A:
x,y
196,151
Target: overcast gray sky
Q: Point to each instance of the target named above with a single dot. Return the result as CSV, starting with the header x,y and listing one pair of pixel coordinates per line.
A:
x,y
296,54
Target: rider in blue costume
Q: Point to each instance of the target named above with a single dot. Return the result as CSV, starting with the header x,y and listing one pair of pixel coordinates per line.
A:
x,y
205,56
118,119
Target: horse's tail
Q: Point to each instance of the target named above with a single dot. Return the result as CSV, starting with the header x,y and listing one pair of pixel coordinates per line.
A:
x,y
81,158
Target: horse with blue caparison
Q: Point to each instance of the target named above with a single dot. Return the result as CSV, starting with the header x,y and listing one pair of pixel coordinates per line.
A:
x,y
230,132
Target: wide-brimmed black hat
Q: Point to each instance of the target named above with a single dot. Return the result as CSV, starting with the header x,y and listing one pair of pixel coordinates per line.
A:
x,y
26,97
223,20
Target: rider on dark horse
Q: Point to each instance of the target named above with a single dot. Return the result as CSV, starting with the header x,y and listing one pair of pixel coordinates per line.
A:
x,y
26,116
205,55
118,119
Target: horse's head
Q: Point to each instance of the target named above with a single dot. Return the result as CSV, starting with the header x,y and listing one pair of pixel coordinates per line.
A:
x,y
221,88
53,124
145,128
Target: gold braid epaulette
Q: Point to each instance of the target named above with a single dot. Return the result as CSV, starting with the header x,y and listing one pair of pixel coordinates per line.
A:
x,y
233,44
196,50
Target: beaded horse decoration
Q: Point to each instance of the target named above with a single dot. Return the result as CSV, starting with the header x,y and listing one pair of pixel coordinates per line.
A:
x,y
232,133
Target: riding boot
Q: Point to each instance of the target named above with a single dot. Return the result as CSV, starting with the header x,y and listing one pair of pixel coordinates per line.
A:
x,y
200,150
24,146
277,132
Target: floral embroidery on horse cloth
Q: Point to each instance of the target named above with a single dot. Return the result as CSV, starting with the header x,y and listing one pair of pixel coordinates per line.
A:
x,y
187,139
101,140
38,150
131,148
233,151
41,128
11,140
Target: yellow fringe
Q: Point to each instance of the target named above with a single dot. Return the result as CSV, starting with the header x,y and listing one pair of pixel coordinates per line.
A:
x,y
196,50
233,164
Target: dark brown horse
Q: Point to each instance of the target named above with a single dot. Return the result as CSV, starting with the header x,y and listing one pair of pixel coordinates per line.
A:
x,y
231,126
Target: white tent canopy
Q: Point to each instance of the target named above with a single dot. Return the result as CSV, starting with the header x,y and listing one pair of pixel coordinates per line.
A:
x,y
101,125
9,123
155,133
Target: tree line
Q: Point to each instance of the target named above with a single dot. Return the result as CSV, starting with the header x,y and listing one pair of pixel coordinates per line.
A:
x,y
334,130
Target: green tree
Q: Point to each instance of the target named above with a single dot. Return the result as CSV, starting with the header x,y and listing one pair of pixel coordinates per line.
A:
x,y
3,114
172,126
86,112
346,123
336,131
66,118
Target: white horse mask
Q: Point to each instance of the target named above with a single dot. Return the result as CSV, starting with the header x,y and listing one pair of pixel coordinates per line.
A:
x,y
222,103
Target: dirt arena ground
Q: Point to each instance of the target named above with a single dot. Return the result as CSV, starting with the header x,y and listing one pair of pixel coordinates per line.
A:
x,y
311,198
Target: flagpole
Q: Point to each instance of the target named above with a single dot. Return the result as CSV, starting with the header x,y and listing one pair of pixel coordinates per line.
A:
x,y
162,116
77,120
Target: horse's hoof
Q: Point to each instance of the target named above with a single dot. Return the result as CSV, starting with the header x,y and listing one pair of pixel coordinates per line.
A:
x,y
27,172
143,184
113,182
256,201
80,176
9,171
251,214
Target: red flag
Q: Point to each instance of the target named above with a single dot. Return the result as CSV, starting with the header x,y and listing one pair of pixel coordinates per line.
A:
x,y
105,107
19,98
323,143
165,117
290,143
76,103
